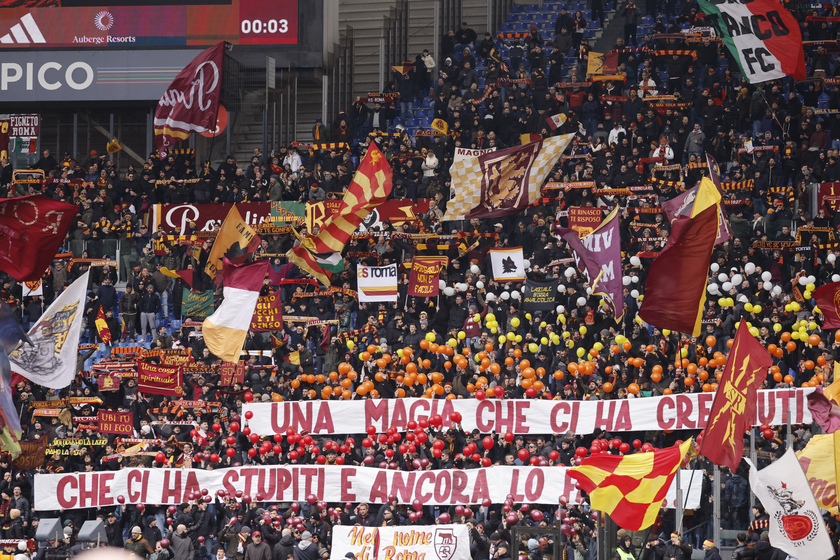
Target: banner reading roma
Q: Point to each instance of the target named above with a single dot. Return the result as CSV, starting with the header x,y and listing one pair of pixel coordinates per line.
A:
x,y
120,423
160,380
268,314
434,542
425,274
519,416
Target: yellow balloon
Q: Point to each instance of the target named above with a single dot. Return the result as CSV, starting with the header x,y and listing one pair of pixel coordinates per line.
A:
x,y
582,329
748,307
528,316
754,331
666,332
511,337
462,335
757,309
350,344
598,346
502,339
795,335
777,327
494,330
566,334
817,310
400,352
812,325
543,340
514,322
795,306
810,287
620,339
563,319
543,325
807,294
430,337
490,317
519,338
476,318
580,352
452,342
532,348
683,352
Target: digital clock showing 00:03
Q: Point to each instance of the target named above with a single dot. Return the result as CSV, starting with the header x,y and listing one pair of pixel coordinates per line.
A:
x,y
272,26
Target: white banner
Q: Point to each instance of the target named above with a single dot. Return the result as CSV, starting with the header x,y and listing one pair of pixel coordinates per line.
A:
x,y
508,264
520,416
464,153
427,542
284,483
377,283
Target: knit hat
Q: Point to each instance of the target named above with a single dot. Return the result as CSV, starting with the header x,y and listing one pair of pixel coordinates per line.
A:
x,y
306,535
675,534
708,542
136,529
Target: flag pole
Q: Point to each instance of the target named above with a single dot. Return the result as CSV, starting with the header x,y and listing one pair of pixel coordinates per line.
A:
x,y
687,494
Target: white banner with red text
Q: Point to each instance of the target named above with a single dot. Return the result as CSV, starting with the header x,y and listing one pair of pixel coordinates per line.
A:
x,y
284,483
520,416
437,542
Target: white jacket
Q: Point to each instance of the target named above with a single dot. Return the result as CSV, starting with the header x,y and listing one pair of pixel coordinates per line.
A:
x,y
429,164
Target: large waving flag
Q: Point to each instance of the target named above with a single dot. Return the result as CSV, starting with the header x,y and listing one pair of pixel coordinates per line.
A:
x,y
600,254
796,523
733,409
630,488
191,102
225,330
675,291
32,228
370,188
51,360
234,242
770,48
827,297
503,182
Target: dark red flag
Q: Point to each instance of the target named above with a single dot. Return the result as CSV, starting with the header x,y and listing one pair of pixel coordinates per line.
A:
x,y
828,300
733,410
191,102
32,228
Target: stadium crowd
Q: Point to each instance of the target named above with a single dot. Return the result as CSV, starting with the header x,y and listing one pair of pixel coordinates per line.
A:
x,y
773,142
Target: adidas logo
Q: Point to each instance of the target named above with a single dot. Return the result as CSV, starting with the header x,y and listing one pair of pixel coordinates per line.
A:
x,y
17,34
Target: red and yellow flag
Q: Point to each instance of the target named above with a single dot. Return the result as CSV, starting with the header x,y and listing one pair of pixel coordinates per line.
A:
x,y
102,326
733,409
675,291
370,188
631,488
235,241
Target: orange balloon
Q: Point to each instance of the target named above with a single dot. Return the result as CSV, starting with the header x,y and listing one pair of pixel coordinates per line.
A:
x,y
387,358
788,379
352,375
400,393
447,364
438,389
730,342
814,340
791,346
295,383
407,351
633,388
689,381
364,356
707,388
649,348
771,348
528,372
572,367
538,385
470,388
627,346
779,353
702,361
657,369
427,363
405,359
525,383
509,361
667,391
517,353
809,364
684,363
495,369
333,376
614,349
276,398
424,344
312,393
777,377
436,377
608,387
433,348
374,393
372,348
710,340
488,347
541,371
558,375
380,377
821,360
785,336
691,369
346,395
656,377
703,375
524,364
411,368
422,379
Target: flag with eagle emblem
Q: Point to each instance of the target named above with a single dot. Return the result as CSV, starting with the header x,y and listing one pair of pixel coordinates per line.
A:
x,y
508,264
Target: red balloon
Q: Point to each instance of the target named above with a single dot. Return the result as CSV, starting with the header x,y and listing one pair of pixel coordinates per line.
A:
x,y
160,457
164,543
248,416
523,455
487,442
234,426
637,443
444,517
230,451
249,396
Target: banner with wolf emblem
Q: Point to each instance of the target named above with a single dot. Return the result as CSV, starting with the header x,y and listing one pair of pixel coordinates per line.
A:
x,y
508,264
432,542
51,360
503,182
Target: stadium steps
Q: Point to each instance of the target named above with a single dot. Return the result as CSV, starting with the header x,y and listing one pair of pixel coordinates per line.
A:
x,y
366,19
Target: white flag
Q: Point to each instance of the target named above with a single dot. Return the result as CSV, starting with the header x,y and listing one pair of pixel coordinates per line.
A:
x,y
51,360
377,283
508,264
796,526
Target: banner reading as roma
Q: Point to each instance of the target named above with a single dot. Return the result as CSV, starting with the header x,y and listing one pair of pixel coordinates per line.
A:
x,y
425,274
268,314
159,379
519,416
436,542
120,423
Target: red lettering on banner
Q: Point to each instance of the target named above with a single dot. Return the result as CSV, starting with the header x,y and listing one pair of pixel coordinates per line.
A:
x,y
447,411
230,478
568,485
521,421
483,425
302,416
766,407
403,487
284,480
459,484
623,422
346,485
88,494
399,420
248,474
295,484
443,486
377,412
192,484
480,488
665,402
800,407
172,492
131,479
267,491
684,408
379,488
308,475
514,486
63,500
558,427
420,492
324,421
534,484
422,403
105,498
602,421
704,405
505,422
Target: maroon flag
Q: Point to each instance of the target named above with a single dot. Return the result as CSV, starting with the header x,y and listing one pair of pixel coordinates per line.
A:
x,y
733,410
598,253
32,228
828,300
191,102
155,379
120,423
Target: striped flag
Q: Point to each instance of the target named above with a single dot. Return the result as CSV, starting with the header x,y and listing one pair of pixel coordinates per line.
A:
x,y
556,121
370,188
102,326
225,330
630,488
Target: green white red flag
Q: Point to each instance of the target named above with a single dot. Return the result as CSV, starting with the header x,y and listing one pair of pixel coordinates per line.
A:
x,y
763,37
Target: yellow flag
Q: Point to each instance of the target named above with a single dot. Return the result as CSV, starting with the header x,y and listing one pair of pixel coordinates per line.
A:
x,y
113,146
235,240
819,464
832,392
294,358
440,126
595,63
